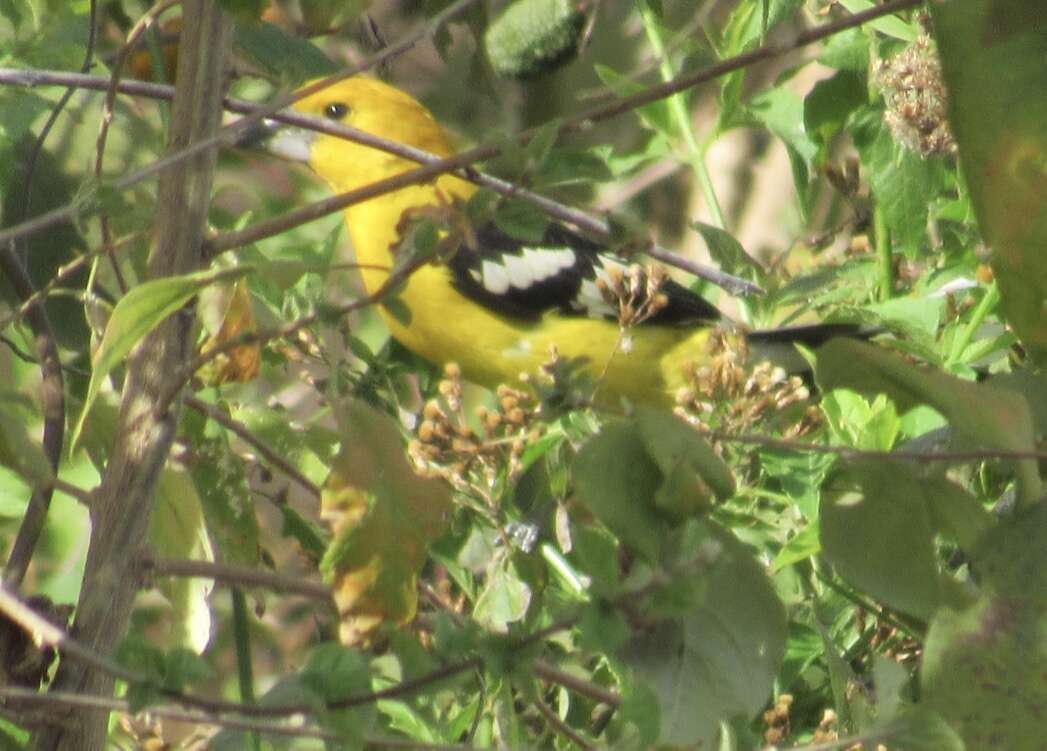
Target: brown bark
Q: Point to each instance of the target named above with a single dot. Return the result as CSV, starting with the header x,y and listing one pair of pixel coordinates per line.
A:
x,y
125,498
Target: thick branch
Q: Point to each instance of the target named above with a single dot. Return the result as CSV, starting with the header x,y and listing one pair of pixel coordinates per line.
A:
x,y
124,501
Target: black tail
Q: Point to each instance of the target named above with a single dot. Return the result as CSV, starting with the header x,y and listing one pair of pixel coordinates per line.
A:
x,y
813,335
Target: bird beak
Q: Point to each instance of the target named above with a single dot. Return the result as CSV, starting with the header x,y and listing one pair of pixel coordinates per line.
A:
x,y
282,140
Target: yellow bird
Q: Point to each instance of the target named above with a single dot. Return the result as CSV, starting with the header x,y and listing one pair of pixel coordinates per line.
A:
x,y
498,306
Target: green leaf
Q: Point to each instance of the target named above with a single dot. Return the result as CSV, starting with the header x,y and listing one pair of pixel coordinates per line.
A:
x,y
721,660
871,425
602,628
985,669
19,111
306,533
19,451
984,416
184,667
892,26
781,111
618,480
803,545
913,316
655,116
876,530
9,10
830,102
503,600
956,513
226,497
176,530
597,554
916,728
903,182
639,713
691,468
998,124
291,59
848,50
541,144
334,672
521,221
243,10
725,250
136,314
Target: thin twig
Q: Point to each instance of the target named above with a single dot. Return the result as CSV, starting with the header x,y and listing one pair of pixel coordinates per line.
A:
x,y
73,491
85,701
239,575
462,160
53,383
846,452
553,674
176,384
143,24
225,135
559,726
239,429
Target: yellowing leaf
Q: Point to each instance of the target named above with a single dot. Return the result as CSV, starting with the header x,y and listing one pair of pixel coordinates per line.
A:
x,y
241,364
384,517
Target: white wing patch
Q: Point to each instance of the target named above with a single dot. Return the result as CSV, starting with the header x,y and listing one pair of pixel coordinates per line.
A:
x,y
548,262
496,278
521,271
589,299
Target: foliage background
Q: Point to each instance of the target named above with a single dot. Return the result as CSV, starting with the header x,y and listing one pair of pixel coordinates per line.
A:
x,y
868,574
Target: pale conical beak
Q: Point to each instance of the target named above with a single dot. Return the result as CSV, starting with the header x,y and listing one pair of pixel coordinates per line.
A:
x,y
285,141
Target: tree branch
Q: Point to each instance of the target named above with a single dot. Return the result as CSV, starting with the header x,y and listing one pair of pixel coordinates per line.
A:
x,y
239,575
125,498
460,162
240,430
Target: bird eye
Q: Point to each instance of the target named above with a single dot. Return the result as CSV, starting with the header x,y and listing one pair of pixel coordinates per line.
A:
x,y
336,110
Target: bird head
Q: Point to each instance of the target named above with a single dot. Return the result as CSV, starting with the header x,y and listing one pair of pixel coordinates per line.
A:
x,y
362,103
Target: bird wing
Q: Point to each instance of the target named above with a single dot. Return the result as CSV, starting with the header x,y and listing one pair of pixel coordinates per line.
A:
x,y
561,273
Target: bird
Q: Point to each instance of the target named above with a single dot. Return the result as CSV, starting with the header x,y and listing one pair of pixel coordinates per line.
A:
x,y
499,307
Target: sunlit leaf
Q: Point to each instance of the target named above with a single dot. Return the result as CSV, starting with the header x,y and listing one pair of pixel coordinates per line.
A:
x,y
984,416
135,315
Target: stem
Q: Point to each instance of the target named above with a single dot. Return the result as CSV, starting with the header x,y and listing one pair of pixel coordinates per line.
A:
x,y
242,640
239,576
885,262
960,343
678,109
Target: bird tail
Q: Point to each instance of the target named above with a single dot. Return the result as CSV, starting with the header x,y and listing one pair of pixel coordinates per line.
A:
x,y
777,345
813,335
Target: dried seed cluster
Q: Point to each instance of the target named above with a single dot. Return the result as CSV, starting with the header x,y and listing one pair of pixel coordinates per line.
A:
x,y
916,98
727,393
446,446
777,720
826,731
634,291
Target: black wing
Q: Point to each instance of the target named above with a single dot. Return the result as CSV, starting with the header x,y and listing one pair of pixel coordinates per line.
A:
x,y
526,280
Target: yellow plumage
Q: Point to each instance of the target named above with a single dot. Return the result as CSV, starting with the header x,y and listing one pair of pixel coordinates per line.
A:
x,y
445,325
